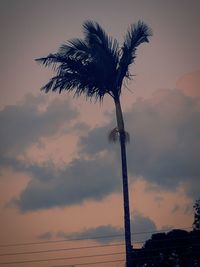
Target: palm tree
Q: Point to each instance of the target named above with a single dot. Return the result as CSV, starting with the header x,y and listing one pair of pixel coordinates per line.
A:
x,y
96,66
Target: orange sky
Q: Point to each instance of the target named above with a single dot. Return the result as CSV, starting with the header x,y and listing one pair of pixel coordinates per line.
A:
x,y
47,138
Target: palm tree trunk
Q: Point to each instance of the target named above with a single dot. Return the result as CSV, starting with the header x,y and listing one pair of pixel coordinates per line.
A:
x,y
120,124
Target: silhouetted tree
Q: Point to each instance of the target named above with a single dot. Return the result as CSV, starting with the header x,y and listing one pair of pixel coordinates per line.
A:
x,y
96,66
196,224
175,248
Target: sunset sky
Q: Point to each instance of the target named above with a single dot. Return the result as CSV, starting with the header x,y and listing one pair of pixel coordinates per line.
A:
x,y
60,178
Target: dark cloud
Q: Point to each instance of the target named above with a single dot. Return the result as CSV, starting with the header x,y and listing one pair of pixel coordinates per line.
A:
x,y
23,125
96,141
26,123
103,234
164,146
81,180
166,131
164,150
141,226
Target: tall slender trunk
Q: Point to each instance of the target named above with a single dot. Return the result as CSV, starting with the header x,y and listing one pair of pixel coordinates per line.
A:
x,y
120,125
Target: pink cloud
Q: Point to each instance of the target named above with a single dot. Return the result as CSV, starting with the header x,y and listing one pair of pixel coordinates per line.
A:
x,y
189,84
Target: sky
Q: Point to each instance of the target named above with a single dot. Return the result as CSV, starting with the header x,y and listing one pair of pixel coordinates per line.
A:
x,y
60,178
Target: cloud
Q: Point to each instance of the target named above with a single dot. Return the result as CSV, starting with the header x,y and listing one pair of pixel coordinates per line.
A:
x,y
165,147
96,141
189,84
141,226
27,122
164,150
103,234
46,236
79,181
83,179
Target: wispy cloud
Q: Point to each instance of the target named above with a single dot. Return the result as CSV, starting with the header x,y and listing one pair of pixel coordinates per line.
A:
x,y
142,227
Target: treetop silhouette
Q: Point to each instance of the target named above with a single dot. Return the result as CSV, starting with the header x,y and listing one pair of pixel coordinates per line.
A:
x,y
95,66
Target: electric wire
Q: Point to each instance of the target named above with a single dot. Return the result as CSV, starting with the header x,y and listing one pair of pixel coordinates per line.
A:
x,y
64,258
88,247
160,231
61,249
84,247
138,259
102,255
88,263
87,238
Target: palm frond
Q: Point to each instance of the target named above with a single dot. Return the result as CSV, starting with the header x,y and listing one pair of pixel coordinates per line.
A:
x,y
94,33
51,60
137,34
81,78
75,48
91,64
97,38
95,65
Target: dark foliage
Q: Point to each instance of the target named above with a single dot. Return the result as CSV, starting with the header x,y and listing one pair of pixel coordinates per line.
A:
x,y
177,248
196,224
94,66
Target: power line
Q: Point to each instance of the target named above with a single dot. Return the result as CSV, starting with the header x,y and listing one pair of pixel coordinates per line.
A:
x,y
59,241
101,255
61,249
86,247
91,263
88,263
160,231
64,258
89,247
138,258
87,238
